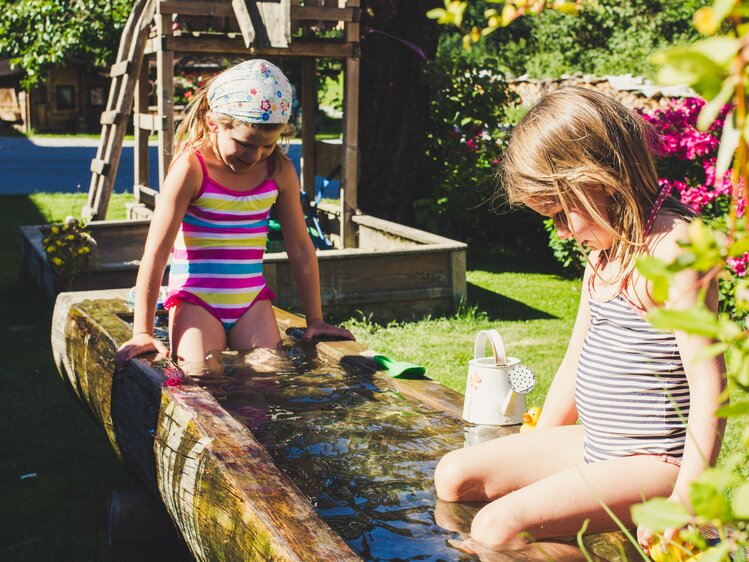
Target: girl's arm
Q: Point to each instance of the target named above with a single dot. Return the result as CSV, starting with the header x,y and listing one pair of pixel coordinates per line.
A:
x,y
559,407
302,256
180,186
706,377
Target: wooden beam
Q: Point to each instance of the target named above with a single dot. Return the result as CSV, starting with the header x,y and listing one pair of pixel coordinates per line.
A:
x,y
309,121
350,177
110,117
99,166
195,8
165,96
221,44
120,68
309,13
264,24
244,19
298,13
141,133
147,195
149,121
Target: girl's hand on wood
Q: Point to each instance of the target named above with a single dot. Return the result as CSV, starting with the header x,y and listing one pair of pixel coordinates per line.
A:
x,y
317,328
135,346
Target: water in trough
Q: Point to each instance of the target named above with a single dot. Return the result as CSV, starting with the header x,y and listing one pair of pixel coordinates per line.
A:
x,y
364,457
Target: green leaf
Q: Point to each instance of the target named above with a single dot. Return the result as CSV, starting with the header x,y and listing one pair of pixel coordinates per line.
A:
x,y
682,261
709,493
741,294
436,13
660,514
739,247
710,351
651,267
741,374
679,67
719,553
729,330
697,320
721,49
702,65
733,410
658,273
442,16
722,9
711,109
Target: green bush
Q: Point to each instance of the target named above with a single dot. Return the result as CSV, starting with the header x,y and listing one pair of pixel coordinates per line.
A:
x,y
468,131
606,37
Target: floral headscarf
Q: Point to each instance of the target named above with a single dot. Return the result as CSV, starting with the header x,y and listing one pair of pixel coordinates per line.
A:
x,y
254,91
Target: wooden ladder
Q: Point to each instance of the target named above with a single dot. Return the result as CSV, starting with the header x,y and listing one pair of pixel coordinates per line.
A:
x,y
114,119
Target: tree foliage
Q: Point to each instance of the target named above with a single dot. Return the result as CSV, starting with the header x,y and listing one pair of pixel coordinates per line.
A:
x,y
605,37
38,35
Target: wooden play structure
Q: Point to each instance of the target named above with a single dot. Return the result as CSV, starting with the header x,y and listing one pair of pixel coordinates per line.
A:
x,y
377,268
163,29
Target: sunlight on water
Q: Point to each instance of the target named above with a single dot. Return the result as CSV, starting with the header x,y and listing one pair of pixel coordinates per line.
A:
x,y
364,457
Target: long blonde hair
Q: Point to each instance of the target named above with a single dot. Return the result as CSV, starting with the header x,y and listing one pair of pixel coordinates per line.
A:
x,y
193,132
577,140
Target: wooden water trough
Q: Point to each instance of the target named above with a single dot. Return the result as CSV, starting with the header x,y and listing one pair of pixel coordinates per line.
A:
x,y
238,491
396,272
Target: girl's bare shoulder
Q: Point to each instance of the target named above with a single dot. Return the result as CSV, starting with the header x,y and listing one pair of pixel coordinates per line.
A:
x,y
185,173
287,177
666,237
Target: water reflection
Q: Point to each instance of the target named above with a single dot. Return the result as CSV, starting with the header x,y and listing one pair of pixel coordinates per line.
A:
x,y
363,456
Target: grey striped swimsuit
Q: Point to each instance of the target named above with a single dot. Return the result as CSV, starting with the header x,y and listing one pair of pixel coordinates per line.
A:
x,y
631,391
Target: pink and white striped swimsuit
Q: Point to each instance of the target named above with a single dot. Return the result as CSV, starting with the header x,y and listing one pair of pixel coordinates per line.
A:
x,y
217,259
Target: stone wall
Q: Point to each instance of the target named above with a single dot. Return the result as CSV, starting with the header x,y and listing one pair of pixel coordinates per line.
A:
x,y
632,91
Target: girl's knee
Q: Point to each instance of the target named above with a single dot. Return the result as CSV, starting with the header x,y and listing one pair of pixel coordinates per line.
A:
x,y
450,477
498,524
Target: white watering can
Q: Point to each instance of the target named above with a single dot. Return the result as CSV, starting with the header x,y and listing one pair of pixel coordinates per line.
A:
x,y
496,385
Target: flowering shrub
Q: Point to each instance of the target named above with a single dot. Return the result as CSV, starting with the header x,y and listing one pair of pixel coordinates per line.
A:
x,y
186,85
688,156
68,248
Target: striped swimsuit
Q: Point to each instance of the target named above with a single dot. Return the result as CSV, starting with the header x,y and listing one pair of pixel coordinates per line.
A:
x,y
217,259
631,391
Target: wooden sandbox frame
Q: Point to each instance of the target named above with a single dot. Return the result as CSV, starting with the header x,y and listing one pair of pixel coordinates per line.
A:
x,y
397,272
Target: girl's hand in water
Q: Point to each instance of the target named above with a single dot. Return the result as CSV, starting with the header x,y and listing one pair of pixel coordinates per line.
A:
x,y
317,328
137,345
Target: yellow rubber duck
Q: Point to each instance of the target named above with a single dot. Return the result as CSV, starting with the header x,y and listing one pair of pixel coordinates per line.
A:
x,y
673,551
530,418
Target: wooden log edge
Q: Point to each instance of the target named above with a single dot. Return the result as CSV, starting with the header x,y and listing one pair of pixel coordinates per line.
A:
x,y
218,483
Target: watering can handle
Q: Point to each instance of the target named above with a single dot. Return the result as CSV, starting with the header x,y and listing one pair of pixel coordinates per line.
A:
x,y
498,348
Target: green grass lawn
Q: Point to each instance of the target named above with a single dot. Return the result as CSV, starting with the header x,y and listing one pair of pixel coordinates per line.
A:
x,y
60,514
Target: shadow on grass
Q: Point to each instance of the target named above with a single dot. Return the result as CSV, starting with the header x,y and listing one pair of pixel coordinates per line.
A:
x,y
496,260
59,469
499,307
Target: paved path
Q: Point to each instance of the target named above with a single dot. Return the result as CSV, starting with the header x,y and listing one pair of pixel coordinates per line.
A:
x,y
61,165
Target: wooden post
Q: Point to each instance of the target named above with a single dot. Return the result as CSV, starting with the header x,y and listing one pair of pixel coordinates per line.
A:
x,y
309,121
165,95
350,176
140,150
